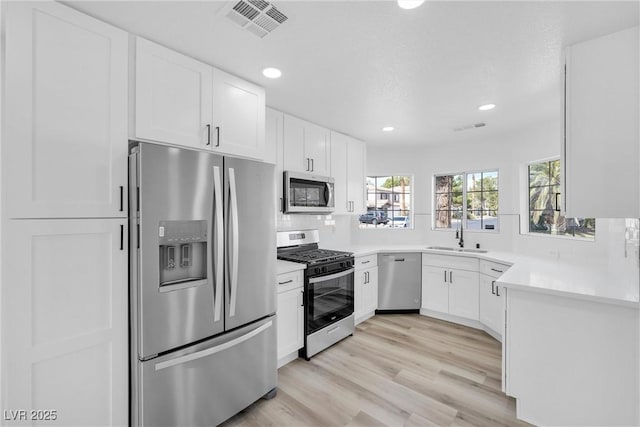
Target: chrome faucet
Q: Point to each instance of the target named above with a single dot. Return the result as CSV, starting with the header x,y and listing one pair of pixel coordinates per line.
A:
x,y
460,235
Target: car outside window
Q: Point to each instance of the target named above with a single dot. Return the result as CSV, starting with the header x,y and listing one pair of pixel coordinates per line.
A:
x,y
388,202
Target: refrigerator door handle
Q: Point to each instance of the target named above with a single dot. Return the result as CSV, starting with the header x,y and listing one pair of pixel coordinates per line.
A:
x,y
234,240
212,350
218,245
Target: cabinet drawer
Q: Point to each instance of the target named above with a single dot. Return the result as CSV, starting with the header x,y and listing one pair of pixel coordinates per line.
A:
x,y
366,261
450,261
288,281
493,269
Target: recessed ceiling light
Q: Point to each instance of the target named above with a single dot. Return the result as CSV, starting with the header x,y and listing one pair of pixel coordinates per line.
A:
x,y
486,107
271,73
388,128
410,4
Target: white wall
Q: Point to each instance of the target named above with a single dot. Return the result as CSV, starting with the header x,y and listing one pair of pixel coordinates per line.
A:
x,y
509,153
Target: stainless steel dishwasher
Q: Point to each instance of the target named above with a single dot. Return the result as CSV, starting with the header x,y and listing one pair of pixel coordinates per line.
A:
x,y
399,282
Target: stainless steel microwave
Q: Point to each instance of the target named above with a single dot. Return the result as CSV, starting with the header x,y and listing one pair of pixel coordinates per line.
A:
x,y
306,193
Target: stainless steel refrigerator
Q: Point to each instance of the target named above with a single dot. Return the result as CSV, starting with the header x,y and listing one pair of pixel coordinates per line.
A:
x,y
202,281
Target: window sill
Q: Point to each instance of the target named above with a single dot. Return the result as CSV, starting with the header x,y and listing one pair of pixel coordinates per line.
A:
x,y
555,236
473,230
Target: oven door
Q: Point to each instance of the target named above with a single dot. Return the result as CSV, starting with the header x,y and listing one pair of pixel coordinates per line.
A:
x,y
328,299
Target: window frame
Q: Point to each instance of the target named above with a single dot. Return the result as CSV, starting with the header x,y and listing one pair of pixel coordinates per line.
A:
x,y
390,198
524,223
464,219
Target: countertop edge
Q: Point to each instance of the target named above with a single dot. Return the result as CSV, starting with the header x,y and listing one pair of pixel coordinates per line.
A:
x,y
513,260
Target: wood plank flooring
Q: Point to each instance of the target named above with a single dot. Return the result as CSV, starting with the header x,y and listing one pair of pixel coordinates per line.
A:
x,y
396,370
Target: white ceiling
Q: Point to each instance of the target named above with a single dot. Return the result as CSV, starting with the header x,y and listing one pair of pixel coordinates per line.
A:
x,y
356,66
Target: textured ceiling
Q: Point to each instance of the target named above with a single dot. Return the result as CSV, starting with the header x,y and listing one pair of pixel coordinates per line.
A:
x,y
359,65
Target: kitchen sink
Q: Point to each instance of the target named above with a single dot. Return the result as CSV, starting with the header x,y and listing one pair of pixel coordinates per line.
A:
x,y
449,248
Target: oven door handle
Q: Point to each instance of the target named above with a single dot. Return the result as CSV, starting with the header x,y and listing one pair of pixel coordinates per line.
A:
x,y
331,276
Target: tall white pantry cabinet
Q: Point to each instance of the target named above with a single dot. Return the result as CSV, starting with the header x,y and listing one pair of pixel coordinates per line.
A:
x,y
64,218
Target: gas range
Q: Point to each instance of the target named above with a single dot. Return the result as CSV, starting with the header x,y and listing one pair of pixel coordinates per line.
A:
x,y
328,289
314,256
302,246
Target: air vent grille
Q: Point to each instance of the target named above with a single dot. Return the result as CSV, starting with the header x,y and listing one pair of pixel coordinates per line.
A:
x,y
277,15
260,4
259,17
245,10
471,126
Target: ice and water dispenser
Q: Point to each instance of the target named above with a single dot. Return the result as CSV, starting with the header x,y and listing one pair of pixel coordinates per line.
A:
x,y
183,253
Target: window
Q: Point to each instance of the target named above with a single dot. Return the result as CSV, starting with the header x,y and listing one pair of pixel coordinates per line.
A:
x,y
468,198
388,202
544,204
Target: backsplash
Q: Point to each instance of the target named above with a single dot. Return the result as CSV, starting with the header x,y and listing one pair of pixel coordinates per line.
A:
x,y
335,230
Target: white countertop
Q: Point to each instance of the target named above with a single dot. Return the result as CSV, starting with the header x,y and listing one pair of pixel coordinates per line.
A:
x,y
534,274
283,266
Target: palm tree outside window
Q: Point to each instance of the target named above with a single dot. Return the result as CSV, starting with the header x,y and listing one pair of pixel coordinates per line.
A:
x,y
545,198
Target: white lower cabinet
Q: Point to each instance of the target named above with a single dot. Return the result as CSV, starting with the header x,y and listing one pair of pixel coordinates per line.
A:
x,y
578,352
450,285
64,319
492,296
290,316
365,287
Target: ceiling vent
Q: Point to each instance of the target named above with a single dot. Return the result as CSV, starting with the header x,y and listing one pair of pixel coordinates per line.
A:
x,y
259,17
467,127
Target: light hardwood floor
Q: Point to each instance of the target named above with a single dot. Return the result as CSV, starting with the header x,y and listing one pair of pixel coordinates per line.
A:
x,y
396,370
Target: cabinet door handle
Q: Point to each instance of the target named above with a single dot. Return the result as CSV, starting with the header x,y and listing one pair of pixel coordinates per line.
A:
x,y
493,287
302,298
308,165
445,276
312,168
121,198
208,134
497,290
121,237
451,277
496,270
285,282
557,203
366,262
217,136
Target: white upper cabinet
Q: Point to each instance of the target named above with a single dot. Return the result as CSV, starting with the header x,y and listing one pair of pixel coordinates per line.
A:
x,y
273,136
238,116
317,143
274,147
307,147
347,169
65,142
355,176
182,101
174,97
602,154
339,166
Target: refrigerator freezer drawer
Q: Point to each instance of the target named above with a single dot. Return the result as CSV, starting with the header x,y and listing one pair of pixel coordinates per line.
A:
x,y
208,383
